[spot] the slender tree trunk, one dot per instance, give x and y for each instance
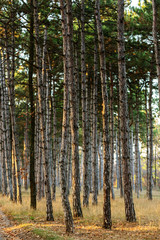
(63, 160)
(77, 211)
(85, 133)
(94, 137)
(128, 198)
(100, 161)
(155, 40)
(112, 134)
(117, 162)
(11, 93)
(150, 141)
(107, 223)
(32, 113)
(140, 167)
(6, 127)
(147, 138)
(120, 151)
(26, 153)
(132, 160)
(137, 185)
(155, 171)
(42, 121)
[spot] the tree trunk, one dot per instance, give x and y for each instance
(42, 121)
(117, 162)
(11, 94)
(107, 223)
(94, 126)
(150, 141)
(156, 45)
(128, 198)
(132, 160)
(111, 134)
(63, 160)
(85, 133)
(155, 171)
(137, 182)
(119, 150)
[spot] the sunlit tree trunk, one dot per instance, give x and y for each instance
(77, 211)
(150, 140)
(137, 185)
(94, 136)
(117, 162)
(111, 134)
(26, 151)
(63, 160)
(147, 138)
(128, 198)
(107, 223)
(100, 155)
(11, 94)
(5, 118)
(42, 120)
(155, 170)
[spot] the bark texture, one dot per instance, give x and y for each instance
(128, 198)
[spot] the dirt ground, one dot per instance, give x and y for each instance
(121, 231)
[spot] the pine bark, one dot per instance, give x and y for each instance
(49, 210)
(94, 137)
(128, 198)
(117, 162)
(107, 223)
(85, 133)
(77, 211)
(147, 139)
(65, 126)
(132, 160)
(111, 134)
(156, 44)
(150, 140)
(11, 94)
(120, 151)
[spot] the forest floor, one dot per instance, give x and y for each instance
(23, 223)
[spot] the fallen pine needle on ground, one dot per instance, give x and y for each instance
(26, 224)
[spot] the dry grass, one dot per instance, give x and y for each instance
(147, 213)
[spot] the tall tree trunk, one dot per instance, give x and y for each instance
(63, 160)
(100, 155)
(150, 140)
(147, 138)
(119, 150)
(6, 126)
(117, 162)
(140, 167)
(42, 121)
(155, 171)
(85, 133)
(128, 198)
(132, 160)
(156, 44)
(26, 148)
(32, 112)
(11, 93)
(137, 185)
(94, 137)
(77, 211)
(107, 223)
(112, 134)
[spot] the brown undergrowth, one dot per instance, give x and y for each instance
(26, 221)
